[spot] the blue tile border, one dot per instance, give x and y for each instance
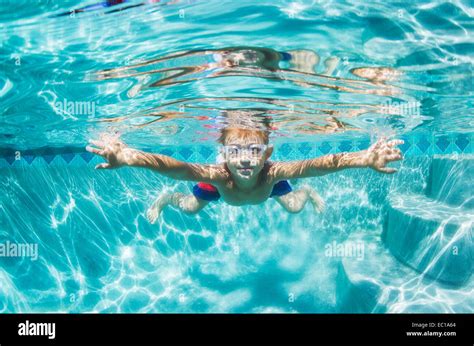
(442, 143)
(424, 144)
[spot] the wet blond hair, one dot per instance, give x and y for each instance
(248, 135)
(245, 126)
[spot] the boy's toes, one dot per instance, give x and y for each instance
(321, 206)
(318, 202)
(152, 215)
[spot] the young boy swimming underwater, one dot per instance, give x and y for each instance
(245, 176)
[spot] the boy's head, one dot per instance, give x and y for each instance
(245, 151)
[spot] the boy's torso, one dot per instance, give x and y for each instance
(232, 195)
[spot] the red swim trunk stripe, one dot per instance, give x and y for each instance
(207, 187)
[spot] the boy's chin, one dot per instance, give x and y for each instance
(246, 175)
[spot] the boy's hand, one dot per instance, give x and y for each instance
(112, 149)
(382, 153)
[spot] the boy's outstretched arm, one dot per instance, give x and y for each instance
(118, 154)
(376, 157)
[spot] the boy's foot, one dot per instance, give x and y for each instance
(155, 210)
(316, 200)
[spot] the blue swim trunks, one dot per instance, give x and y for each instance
(209, 192)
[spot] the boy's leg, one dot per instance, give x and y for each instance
(295, 201)
(190, 204)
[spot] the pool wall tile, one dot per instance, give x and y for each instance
(422, 145)
(325, 148)
(442, 144)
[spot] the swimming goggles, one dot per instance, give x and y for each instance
(255, 150)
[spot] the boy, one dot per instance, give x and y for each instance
(246, 176)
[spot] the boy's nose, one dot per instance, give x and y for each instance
(245, 160)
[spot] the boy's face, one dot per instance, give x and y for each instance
(245, 156)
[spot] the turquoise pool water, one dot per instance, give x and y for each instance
(167, 76)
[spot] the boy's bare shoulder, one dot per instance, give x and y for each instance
(215, 172)
(281, 170)
(272, 168)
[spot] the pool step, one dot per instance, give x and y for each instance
(379, 283)
(431, 237)
(449, 181)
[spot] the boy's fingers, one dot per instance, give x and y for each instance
(395, 142)
(94, 150)
(377, 144)
(387, 170)
(104, 165)
(396, 151)
(97, 143)
(104, 136)
(394, 157)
